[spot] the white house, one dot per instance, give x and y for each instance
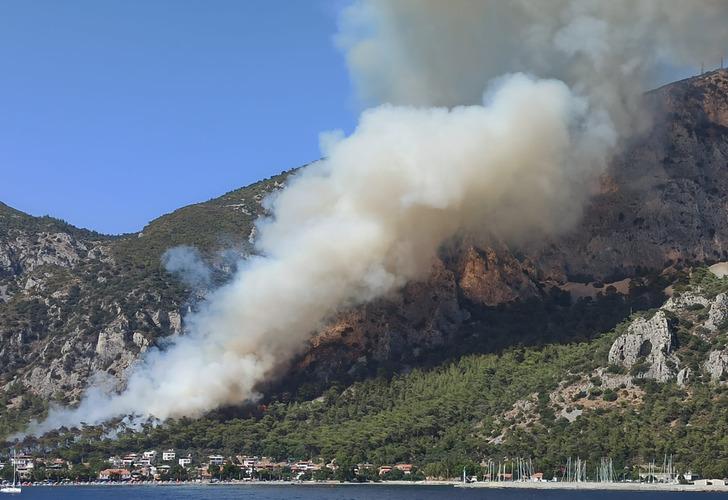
(168, 455)
(689, 476)
(23, 461)
(129, 460)
(151, 455)
(216, 459)
(185, 461)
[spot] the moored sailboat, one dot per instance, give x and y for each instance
(12, 488)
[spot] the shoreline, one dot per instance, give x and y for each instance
(112, 484)
(594, 486)
(516, 485)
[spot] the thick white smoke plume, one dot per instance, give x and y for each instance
(432, 52)
(518, 161)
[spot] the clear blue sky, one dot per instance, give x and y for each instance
(114, 112)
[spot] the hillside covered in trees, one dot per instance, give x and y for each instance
(547, 402)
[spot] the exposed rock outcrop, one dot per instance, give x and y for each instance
(685, 301)
(649, 343)
(490, 278)
(718, 314)
(26, 252)
(717, 365)
(663, 200)
(684, 376)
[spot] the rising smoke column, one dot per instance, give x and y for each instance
(518, 163)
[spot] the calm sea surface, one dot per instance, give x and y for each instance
(346, 492)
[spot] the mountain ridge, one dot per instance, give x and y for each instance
(74, 303)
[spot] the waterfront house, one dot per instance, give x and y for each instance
(216, 460)
(168, 456)
(23, 461)
(129, 460)
(56, 464)
(384, 469)
(204, 472)
(362, 468)
(690, 476)
(304, 466)
(115, 475)
(185, 461)
(406, 468)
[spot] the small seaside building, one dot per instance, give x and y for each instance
(304, 466)
(204, 472)
(691, 476)
(115, 475)
(56, 464)
(151, 455)
(406, 468)
(384, 469)
(23, 461)
(168, 456)
(130, 460)
(361, 468)
(185, 461)
(216, 459)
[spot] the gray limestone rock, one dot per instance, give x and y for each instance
(649, 342)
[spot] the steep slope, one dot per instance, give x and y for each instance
(663, 201)
(74, 304)
(662, 204)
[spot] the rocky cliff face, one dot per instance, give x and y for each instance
(661, 204)
(717, 365)
(662, 200)
(74, 303)
(650, 343)
(66, 312)
(650, 348)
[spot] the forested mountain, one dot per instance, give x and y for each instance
(481, 357)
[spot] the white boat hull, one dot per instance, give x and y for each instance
(10, 489)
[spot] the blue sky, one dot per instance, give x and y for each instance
(114, 112)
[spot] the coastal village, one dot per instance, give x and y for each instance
(174, 466)
(171, 465)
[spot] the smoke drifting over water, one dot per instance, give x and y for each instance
(518, 163)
